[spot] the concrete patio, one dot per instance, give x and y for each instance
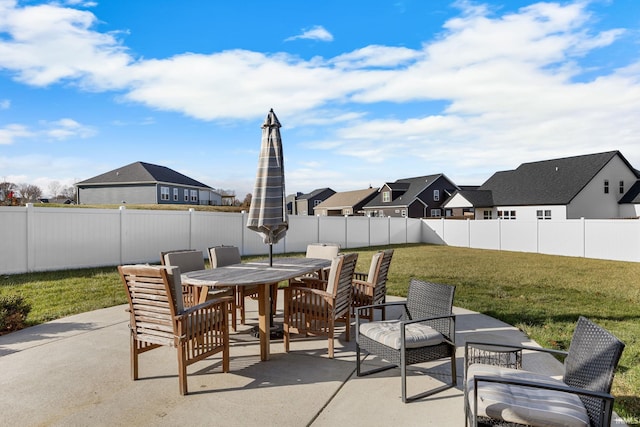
(75, 372)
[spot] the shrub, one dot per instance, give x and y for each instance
(13, 313)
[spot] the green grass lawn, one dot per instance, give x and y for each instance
(540, 294)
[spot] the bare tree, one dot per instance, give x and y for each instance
(6, 190)
(54, 189)
(247, 200)
(68, 192)
(30, 192)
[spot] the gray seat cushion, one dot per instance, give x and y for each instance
(524, 405)
(388, 333)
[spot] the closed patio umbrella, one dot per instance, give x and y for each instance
(268, 211)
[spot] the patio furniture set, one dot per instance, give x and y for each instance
(184, 305)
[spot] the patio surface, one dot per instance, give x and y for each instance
(75, 372)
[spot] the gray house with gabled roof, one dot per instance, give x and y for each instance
(145, 183)
(417, 197)
(600, 185)
(346, 203)
(305, 203)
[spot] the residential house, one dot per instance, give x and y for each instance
(291, 203)
(346, 203)
(601, 185)
(145, 183)
(418, 197)
(305, 203)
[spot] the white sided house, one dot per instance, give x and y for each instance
(145, 183)
(592, 186)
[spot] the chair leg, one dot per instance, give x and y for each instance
(134, 358)
(182, 369)
(331, 340)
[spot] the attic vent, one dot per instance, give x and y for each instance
(117, 173)
(556, 169)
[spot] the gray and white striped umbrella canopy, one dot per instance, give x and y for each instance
(268, 211)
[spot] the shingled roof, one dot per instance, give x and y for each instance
(347, 199)
(547, 182)
(142, 173)
(412, 188)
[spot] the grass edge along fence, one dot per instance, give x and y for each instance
(543, 295)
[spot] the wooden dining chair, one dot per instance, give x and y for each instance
(158, 318)
(220, 256)
(370, 289)
(313, 306)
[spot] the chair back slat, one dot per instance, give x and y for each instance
(591, 362)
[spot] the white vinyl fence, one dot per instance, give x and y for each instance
(616, 239)
(41, 239)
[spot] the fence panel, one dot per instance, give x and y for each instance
(332, 230)
(613, 239)
(357, 231)
(14, 244)
(518, 236)
(561, 237)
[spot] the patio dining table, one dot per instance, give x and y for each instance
(256, 273)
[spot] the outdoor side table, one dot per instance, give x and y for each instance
(499, 354)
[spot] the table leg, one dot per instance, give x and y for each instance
(203, 292)
(264, 323)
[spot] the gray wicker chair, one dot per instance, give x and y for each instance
(495, 395)
(425, 332)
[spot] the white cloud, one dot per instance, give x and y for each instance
(5, 104)
(317, 32)
(11, 132)
(67, 128)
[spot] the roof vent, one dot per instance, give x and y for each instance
(556, 169)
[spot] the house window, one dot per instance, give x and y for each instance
(381, 213)
(487, 214)
(194, 195)
(186, 195)
(606, 186)
(403, 213)
(436, 195)
(543, 214)
(386, 196)
(621, 187)
(164, 193)
(436, 212)
(347, 211)
(175, 194)
(316, 202)
(507, 214)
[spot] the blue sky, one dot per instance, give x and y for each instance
(367, 92)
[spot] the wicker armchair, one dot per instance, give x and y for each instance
(371, 288)
(495, 395)
(159, 319)
(425, 332)
(314, 306)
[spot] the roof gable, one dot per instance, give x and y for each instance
(412, 187)
(142, 173)
(347, 198)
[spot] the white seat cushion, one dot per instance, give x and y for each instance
(388, 333)
(524, 405)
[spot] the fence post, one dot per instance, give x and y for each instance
(122, 211)
(31, 238)
(468, 232)
(191, 231)
(584, 237)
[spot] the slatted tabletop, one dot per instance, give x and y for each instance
(255, 273)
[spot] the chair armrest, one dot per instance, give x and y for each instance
(211, 302)
(302, 289)
(310, 282)
(363, 284)
(450, 335)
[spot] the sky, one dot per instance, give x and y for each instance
(367, 91)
